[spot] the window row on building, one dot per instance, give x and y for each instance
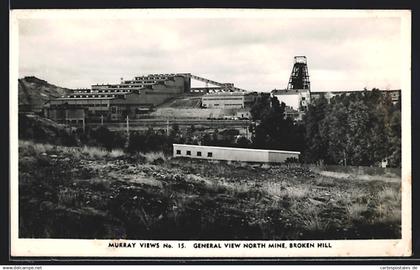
(92, 96)
(157, 76)
(228, 105)
(135, 85)
(110, 91)
(92, 104)
(117, 86)
(197, 153)
(223, 98)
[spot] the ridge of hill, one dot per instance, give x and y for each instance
(34, 92)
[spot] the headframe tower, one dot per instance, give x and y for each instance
(299, 79)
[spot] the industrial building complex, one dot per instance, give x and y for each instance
(136, 97)
(126, 99)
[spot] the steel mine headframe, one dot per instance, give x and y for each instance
(299, 79)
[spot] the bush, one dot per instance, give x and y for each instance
(155, 157)
(291, 160)
(104, 137)
(137, 142)
(149, 142)
(243, 142)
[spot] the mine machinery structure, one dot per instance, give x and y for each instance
(218, 86)
(299, 79)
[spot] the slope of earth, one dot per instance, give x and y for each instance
(89, 193)
(183, 101)
(34, 92)
(40, 129)
(202, 113)
(184, 106)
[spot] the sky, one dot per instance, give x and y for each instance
(253, 53)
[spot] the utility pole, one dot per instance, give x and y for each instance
(246, 129)
(102, 120)
(167, 127)
(345, 158)
(128, 131)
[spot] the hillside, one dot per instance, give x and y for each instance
(188, 106)
(34, 92)
(183, 101)
(35, 127)
(111, 195)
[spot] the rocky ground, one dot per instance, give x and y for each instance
(89, 193)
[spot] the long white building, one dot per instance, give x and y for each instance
(233, 154)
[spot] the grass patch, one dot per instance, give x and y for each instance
(390, 194)
(356, 211)
(154, 157)
(313, 223)
(282, 190)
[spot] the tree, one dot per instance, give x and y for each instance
(206, 139)
(261, 107)
(395, 138)
(104, 137)
(174, 130)
(243, 142)
(274, 130)
(137, 142)
(316, 139)
(362, 128)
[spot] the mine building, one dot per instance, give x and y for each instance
(73, 115)
(298, 95)
(229, 100)
(298, 92)
(291, 113)
(296, 101)
(243, 113)
(96, 107)
(132, 105)
(233, 154)
(154, 91)
(115, 103)
(135, 97)
(144, 82)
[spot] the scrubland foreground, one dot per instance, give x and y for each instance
(89, 193)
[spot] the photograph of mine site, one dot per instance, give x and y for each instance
(209, 128)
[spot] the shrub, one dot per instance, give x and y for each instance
(243, 142)
(390, 194)
(291, 160)
(355, 211)
(137, 142)
(116, 153)
(314, 223)
(104, 137)
(153, 157)
(298, 192)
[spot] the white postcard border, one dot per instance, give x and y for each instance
(101, 248)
